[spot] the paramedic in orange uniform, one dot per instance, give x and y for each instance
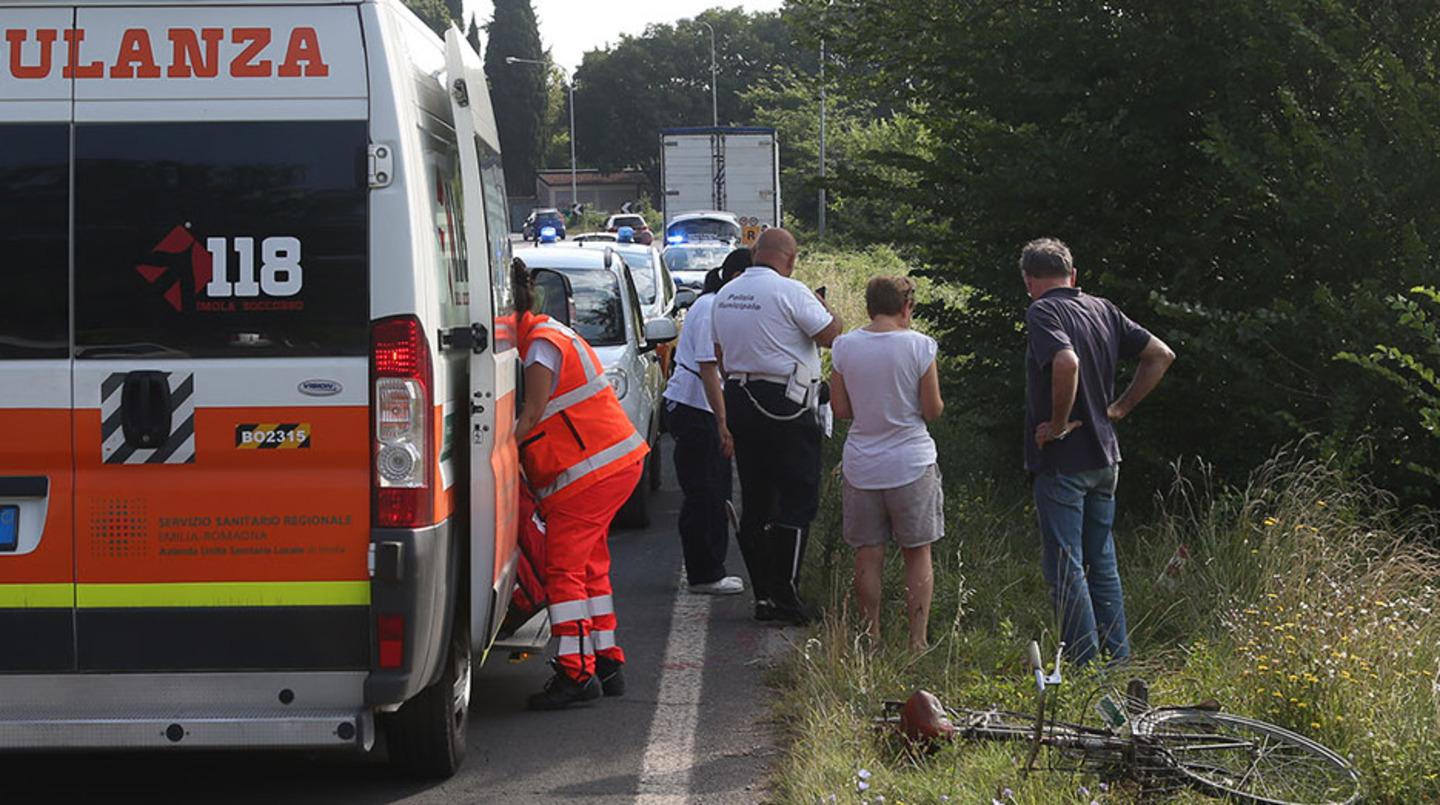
(582, 458)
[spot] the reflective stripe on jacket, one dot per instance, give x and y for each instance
(583, 436)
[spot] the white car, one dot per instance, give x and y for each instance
(601, 304)
(705, 225)
(653, 283)
(688, 263)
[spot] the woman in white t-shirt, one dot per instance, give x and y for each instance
(887, 380)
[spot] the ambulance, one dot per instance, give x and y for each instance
(258, 477)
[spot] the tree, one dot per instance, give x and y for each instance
(1250, 178)
(517, 91)
(660, 78)
(434, 13)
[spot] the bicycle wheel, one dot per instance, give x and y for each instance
(1248, 761)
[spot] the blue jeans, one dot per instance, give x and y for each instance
(1077, 513)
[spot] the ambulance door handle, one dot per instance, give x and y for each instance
(145, 409)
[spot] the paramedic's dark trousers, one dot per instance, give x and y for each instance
(704, 477)
(779, 466)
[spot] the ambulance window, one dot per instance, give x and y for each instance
(221, 239)
(34, 240)
(447, 205)
(497, 223)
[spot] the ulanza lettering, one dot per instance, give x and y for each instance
(183, 53)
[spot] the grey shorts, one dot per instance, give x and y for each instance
(913, 515)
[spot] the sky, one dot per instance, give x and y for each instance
(571, 27)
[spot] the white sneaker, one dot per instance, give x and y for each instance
(730, 585)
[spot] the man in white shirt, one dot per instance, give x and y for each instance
(703, 471)
(767, 330)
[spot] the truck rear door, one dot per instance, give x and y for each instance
(221, 311)
(36, 477)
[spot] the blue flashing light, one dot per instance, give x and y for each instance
(675, 239)
(547, 235)
(625, 234)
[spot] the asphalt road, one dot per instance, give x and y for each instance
(598, 754)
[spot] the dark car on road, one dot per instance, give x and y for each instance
(643, 235)
(539, 219)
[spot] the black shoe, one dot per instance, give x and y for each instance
(764, 611)
(562, 691)
(797, 613)
(612, 676)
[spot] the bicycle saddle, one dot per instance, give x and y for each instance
(923, 718)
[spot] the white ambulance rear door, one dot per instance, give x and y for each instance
(494, 461)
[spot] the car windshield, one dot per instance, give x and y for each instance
(695, 258)
(715, 228)
(599, 312)
(642, 269)
(548, 217)
(633, 221)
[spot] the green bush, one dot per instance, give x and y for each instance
(1249, 178)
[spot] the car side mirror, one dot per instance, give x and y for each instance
(684, 298)
(660, 331)
(552, 294)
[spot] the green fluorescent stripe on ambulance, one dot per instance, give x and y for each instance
(225, 594)
(37, 596)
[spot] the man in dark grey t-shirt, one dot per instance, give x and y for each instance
(1075, 343)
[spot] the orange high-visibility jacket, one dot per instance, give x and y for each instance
(584, 436)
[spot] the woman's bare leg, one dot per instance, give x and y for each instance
(869, 564)
(919, 587)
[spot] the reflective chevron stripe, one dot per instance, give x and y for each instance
(574, 397)
(570, 645)
(599, 461)
(602, 605)
(567, 611)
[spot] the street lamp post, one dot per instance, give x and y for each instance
(570, 85)
(820, 217)
(714, 85)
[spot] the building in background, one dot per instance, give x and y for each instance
(601, 192)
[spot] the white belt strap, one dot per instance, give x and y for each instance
(748, 377)
(567, 611)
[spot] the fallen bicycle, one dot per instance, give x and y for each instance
(1219, 754)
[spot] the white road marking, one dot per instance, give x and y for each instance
(670, 751)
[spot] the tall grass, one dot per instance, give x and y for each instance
(1307, 600)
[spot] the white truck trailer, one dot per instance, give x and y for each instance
(735, 170)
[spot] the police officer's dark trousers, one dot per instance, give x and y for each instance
(777, 453)
(704, 476)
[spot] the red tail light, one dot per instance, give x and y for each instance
(403, 453)
(391, 631)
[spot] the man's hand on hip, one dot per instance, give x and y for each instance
(1047, 432)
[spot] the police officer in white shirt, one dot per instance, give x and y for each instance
(768, 329)
(704, 473)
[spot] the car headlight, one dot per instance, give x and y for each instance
(619, 381)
